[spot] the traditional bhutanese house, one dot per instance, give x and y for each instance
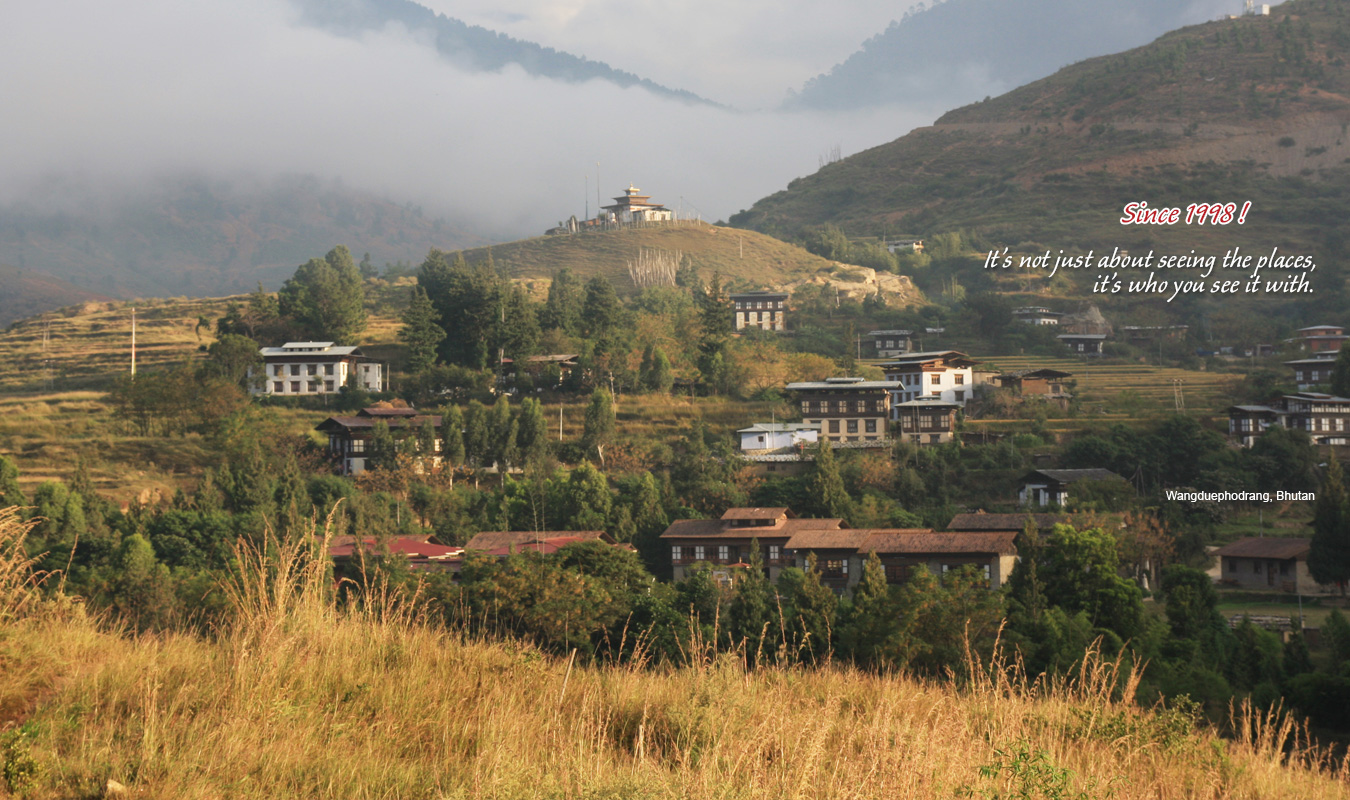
(1047, 383)
(764, 310)
(537, 366)
(1268, 563)
(1310, 373)
(841, 555)
(634, 207)
(1246, 423)
(726, 542)
(888, 344)
(992, 554)
(927, 420)
(847, 409)
(315, 368)
(1037, 315)
(1050, 487)
(420, 551)
(1324, 417)
(936, 374)
(1321, 338)
(349, 437)
(1084, 344)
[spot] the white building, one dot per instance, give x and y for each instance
(634, 207)
(764, 310)
(315, 368)
(1037, 315)
(936, 375)
(763, 436)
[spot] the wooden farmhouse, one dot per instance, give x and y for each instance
(349, 437)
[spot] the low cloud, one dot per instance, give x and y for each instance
(111, 95)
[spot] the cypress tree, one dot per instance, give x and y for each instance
(599, 425)
(827, 491)
(10, 493)
(420, 332)
(452, 438)
(1329, 552)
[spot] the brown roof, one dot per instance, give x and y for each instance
(827, 540)
(492, 540)
(368, 423)
(718, 529)
(1003, 522)
(926, 541)
(756, 513)
(1266, 547)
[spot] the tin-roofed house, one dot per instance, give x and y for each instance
(349, 438)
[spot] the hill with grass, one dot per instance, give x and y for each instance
(745, 259)
(1252, 108)
(294, 694)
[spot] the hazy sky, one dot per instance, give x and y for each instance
(745, 53)
(105, 95)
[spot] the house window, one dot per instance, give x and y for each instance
(934, 438)
(1080, 347)
(937, 379)
(1284, 567)
(834, 426)
(960, 396)
(676, 553)
(278, 386)
(700, 553)
(328, 369)
(773, 552)
(328, 386)
(723, 552)
(295, 369)
(870, 426)
(311, 369)
(860, 406)
(358, 445)
(852, 426)
(806, 406)
(277, 369)
(1256, 567)
(295, 386)
(959, 378)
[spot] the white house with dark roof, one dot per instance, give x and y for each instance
(1324, 417)
(930, 375)
(1050, 487)
(315, 368)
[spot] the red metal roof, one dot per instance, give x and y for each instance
(405, 546)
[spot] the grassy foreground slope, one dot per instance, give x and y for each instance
(302, 699)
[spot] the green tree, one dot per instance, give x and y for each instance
(650, 521)
(519, 330)
(601, 312)
(599, 425)
(10, 492)
(532, 438)
(828, 497)
(809, 615)
(1329, 552)
(869, 624)
(1080, 573)
(657, 375)
(232, 356)
(562, 309)
(1340, 374)
(477, 435)
(142, 590)
(584, 500)
(715, 313)
(326, 298)
(750, 613)
(420, 332)
(383, 448)
(452, 438)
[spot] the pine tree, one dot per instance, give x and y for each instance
(828, 495)
(477, 435)
(1329, 552)
(420, 332)
(562, 309)
(326, 297)
(868, 626)
(749, 616)
(661, 377)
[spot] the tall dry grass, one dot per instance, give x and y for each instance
(306, 698)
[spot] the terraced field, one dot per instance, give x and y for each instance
(1132, 390)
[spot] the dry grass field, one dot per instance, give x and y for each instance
(301, 698)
